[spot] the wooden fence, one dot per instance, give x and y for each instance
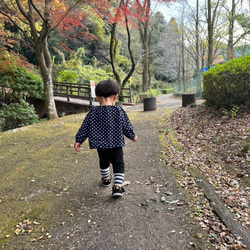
(83, 91)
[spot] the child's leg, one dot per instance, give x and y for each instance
(118, 166)
(104, 163)
(119, 179)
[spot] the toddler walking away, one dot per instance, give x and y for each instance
(105, 126)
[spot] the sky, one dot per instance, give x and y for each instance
(172, 9)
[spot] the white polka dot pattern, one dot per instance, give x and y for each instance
(105, 126)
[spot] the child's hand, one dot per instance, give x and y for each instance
(77, 146)
(135, 138)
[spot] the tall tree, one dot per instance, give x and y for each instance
(234, 12)
(182, 31)
(194, 34)
(35, 20)
(169, 63)
(232, 18)
(197, 39)
(212, 12)
(125, 12)
(145, 29)
(244, 22)
(159, 26)
(145, 10)
(115, 14)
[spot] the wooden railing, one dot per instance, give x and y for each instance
(83, 91)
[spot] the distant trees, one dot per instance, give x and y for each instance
(145, 10)
(113, 16)
(235, 12)
(168, 61)
(210, 28)
(211, 16)
(130, 15)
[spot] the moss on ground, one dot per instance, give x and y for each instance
(35, 163)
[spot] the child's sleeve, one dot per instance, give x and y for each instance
(83, 131)
(127, 127)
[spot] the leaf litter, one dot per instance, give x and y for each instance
(220, 148)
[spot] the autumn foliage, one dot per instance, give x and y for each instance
(10, 60)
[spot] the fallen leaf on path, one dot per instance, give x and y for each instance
(168, 193)
(125, 183)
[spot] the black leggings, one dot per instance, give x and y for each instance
(113, 156)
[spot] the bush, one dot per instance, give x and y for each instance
(19, 114)
(68, 76)
(227, 85)
(167, 91)
(149, 93)
(22, 83)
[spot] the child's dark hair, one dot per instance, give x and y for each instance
(107, 88)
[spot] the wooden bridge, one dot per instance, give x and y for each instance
(81, 93)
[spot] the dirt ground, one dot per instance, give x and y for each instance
(51, 197)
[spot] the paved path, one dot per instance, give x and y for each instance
(43, 178)
(167, 100)
(163, 101)
(138, 220)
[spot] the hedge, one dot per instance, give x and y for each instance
(227, 85)
(167, 91)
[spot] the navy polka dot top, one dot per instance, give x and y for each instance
(105, 126)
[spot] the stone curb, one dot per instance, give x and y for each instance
(222, 211)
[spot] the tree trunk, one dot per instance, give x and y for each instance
(40, 45)
(183, 60)
(198, 85)
(197, 38)
(210, 26)
(113, 50)
(144, 33)
(145, 73)
(145, 78)
(132, 69)
(230, 47)
(179, 70)
(210, 34)
(45, 65)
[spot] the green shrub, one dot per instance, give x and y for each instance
(84, 74)
(149, 93)
(152, 92)
(22, 83)
(227, 85)
(19, 114)
(68, 76)
(167, 91)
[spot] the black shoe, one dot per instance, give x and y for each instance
(106, 182)
(117, 191)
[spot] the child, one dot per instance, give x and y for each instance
(105, 126)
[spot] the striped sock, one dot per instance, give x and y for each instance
(105, 173)
(118, 180)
